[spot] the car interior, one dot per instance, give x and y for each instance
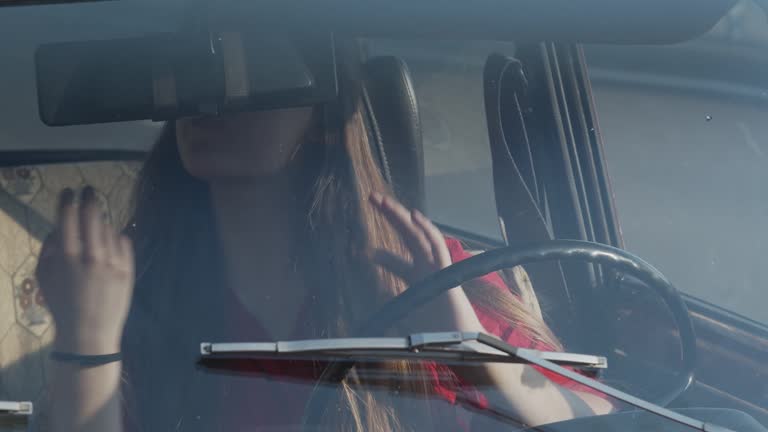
(30, 193)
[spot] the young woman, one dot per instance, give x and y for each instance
(268, 225)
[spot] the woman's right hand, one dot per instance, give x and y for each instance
(86, 274)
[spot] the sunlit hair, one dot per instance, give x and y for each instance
(176, 265)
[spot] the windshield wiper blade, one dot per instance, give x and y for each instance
(15, 408)
(458, 346)
(602, 388)
(463, 346)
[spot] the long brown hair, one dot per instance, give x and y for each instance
(172, 230)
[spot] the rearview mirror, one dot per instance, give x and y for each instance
(166, 76)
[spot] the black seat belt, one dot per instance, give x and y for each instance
(518, 198)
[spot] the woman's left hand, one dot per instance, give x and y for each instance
(429, 253)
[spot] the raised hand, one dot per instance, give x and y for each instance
(449, 312)
(86, 274)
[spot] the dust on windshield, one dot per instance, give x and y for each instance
(128, 245)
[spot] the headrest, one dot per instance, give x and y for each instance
(395, 126)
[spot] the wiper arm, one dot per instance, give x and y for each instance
(610, 391)
(457, 346)
(15, 408)
(462, 346)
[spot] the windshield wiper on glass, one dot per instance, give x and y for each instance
(456, 346)
(15, 408)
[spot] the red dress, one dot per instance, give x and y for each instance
(282, 387)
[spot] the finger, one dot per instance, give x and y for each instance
(91, 226)
(435, 237)
(109, 241)
(47, 250)
(393, 264)
(47, 247)
(400, 218)
(68, 229)
(125, 249)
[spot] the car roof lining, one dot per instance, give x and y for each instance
(594, 21)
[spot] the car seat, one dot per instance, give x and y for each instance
(392, 115)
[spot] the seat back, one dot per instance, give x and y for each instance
(395, 127)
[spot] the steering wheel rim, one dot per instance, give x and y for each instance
(508, 257)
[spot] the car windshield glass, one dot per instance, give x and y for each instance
(228, 230)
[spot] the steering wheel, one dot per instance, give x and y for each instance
(508, 257)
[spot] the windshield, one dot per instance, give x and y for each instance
(247, 256)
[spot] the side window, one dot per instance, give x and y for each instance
(685, 137)
(28, 197)
(448, 77)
